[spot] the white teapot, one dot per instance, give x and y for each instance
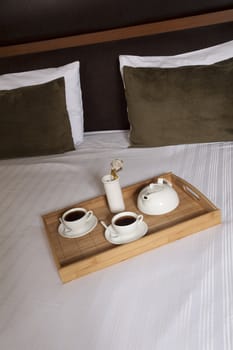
(157, 198)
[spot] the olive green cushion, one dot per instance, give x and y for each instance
(191, 104)
(34, 121)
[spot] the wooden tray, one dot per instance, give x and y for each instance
(79, 256)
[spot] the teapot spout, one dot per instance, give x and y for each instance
(146, 196)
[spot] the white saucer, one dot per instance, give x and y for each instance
(140, 231)
(91, 224)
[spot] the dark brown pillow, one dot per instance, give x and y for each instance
(168, 106)
(34, 121)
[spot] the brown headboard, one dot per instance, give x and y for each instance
(98, 52)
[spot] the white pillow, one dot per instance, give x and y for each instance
(204, 57)
(70, 72)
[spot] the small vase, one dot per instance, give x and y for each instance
(113, 193)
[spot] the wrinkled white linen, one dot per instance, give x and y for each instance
(179, 296)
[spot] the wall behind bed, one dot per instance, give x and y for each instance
(103, 97)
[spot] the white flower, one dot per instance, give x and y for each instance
(116, 165)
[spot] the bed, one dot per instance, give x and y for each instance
(179, 296)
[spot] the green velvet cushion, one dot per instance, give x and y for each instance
(191, 104)
(34, 121)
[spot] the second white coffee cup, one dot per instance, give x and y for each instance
(125, 223)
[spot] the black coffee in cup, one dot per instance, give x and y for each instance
(74, 215)
(125, 220)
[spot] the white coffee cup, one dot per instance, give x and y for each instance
(125, 223)
(75, 219)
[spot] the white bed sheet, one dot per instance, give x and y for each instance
(179, 296)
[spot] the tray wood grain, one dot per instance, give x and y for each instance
(77, 257)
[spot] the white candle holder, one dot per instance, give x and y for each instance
(113, 193)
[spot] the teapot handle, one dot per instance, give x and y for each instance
(161, 181)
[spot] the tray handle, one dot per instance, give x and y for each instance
(194, 193)
(191, 192)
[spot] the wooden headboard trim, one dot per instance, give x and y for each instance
(119, 33)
